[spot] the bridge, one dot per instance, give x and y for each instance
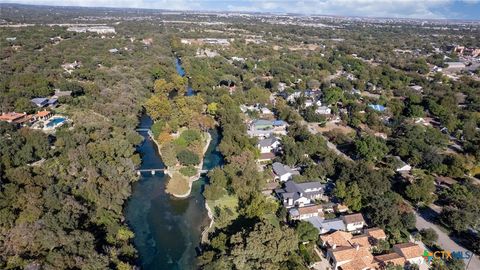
(153, 171)
(142, 129)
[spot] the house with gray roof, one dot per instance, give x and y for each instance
(283, 172)
(327, 225)
(264, 128)
(268, 145)
(300, 194)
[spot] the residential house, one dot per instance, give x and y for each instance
(324, 110)
(377, 107)
(43, 102)
(114, 50)
(417, 88)
(43, 115)
(382, 261)
(340, 208)
(375, 234)
(299, 194)
(354, 222)
(455, 65)
(12, 117)
(268, 145)
(301, 213)
(265, 128)
(410, 251)
(402, 167)
(283, 172)
(327, 225)
(328, 207)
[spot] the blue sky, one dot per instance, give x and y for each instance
(427, 9)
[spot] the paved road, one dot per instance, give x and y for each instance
(445, 241)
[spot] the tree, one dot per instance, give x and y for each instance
(429, 236)
(306, 231)
(212, 108)
(353, 198)
(159, 107)
(421, 190)
(340, 190)
(371, 148)
(187, 157)
(333, 95)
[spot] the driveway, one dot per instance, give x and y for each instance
(444, 240)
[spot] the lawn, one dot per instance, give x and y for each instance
(178, 184)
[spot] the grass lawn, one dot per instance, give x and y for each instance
(227, 201)
(177, 184)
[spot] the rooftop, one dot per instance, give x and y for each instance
(353, 218)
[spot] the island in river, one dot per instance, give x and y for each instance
(167, 230)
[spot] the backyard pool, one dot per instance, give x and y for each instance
(54, 122)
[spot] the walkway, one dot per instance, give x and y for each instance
(444, 240)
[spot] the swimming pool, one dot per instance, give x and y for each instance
(54, 122)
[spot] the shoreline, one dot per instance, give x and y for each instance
(198, 167)
(204, 238)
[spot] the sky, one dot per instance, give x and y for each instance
(422, 9)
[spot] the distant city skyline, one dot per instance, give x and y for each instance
(420, 9)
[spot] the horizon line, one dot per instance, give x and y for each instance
(242, 12)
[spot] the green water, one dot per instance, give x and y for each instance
(167, 230)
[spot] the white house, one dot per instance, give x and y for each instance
(302, 213)
(402, 166)
(323, 110)
(268, 145)
(354, 222)
(283, 172)
(299, 194)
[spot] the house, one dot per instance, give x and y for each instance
(299, 194)
(328, 207)
(265, 128)
(354, 222)
(59, 93)
(375, 235)
(40, 102)
(324, 110)
(350, 258)
(377, 107)
(268, 145)
(266, 111)
(283, 172)
(43, 115)
(402, 167)
(348, 252)
(301, 213)
(11, 39)
(269, 188)
(455, 65)
(114, 50)
(410, 251)
(340, 208)
(12, 117)
(327, 225)
(417, 88)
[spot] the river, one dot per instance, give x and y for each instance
(167, 230)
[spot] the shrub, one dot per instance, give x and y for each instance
(168, 154)
(429, 236)
(187, 157)
(188, 171)
(190, 136)
(157, 128)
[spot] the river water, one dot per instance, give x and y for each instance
(167, 230)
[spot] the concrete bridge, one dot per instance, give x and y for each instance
(153, 171)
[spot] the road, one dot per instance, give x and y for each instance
(330, 145)
(444, 240)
